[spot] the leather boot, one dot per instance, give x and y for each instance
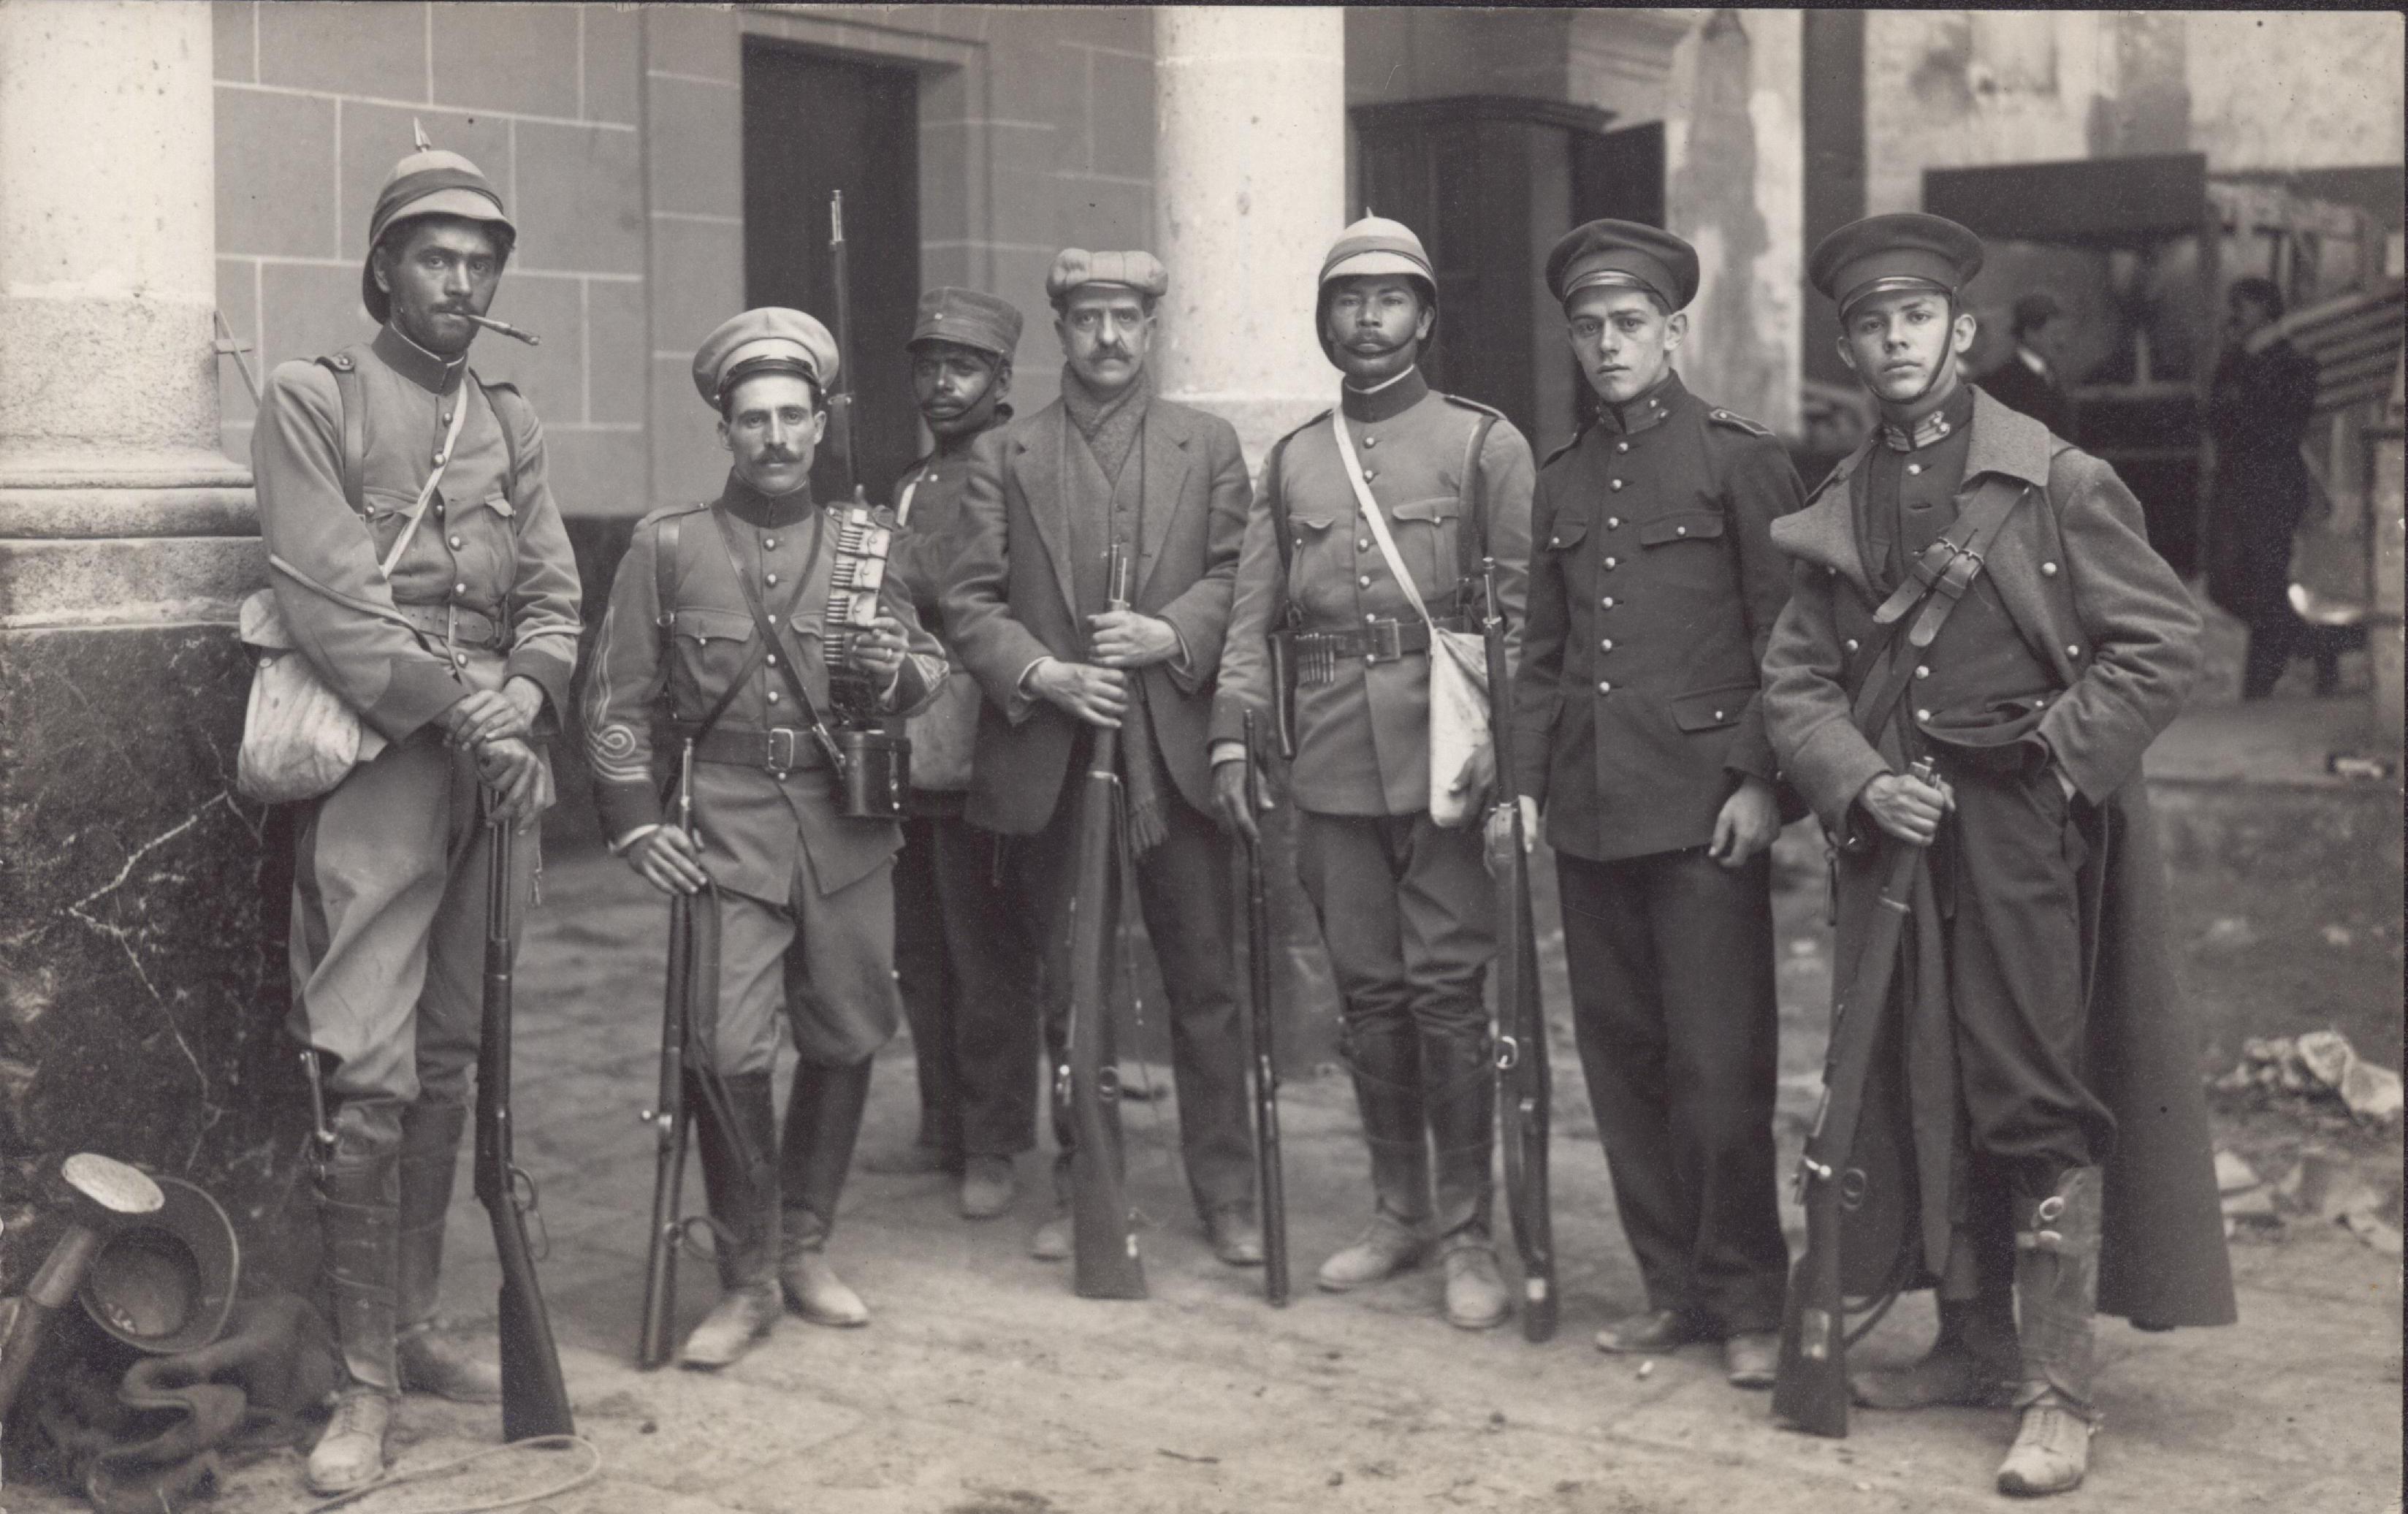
(430, 1158)
(1386, 1063)
(1459, 1091)
(739, 1177)
(358, 1204)
(2056, 1290)
(1974, 1360)
(823, 1120)
(1475, 1295)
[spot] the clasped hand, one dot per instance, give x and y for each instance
(669, 860)
(1906, 807)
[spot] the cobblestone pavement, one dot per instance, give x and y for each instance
(983, 1387)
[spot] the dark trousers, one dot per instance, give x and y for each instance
(1673, 1009)
(2006, 869)
(974, 1033)
(1183, 894)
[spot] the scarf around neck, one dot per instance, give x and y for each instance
(1109, 425)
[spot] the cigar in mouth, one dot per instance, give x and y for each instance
(505, 329)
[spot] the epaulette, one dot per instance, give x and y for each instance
(1302, 430)
(667, 510)
(1471, 405)
(499, 383)
(1738, 423)
(1567, 446)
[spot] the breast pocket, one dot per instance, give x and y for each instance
(483, 540)
(385, 515)
(713, 648)
(1313, 558)
(1425, 533)
(1561, 554)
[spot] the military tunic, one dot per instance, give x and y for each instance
(1405, 905)
(1653, 591)
(388, 924)
(792, 872)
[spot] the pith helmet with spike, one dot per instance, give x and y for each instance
(430, 181)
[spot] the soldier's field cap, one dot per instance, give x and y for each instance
(1907, 249)
(1075, 268)
(429, 181)
(1374, 245)
(769, 340)
(967, 318)
(1624, 254)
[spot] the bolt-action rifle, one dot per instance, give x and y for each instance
(1105, 1263)
(1810, 1388)
(692, 986)
(1525, 1082)
(1259, 1032)
(535, 1401)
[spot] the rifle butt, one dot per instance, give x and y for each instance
(1105, 1264)
(535, 1398)
(653, 1346)
(1809, 1386)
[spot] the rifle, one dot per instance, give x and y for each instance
(694, 960)
(1522, 1070)
(1810, 1388)
(1105, 1263)
(1268, 1175)
(840, 400)
(535, 1401)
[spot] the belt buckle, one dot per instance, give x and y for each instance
(1383, 641)
(780, 750)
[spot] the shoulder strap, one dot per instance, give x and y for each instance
(1377, 520)
(665, 573)
(1938, 590)
(505, 416)
(346, 369)
(1278, 498)
(773, 631)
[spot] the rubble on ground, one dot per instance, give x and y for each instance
(2319, 1067)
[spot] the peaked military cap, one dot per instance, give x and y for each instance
(967, 318)
(429, 181)
(1378, 245)
(768, 339)
(1624, 254)
(1076, 268)
(1906, 251)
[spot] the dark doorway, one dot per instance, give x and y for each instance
(1619, 176)
(814, 124)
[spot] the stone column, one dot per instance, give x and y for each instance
(138, 1013)
(1250, 187)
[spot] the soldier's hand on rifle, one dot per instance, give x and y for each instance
(669, 860)
(1748, 821)
(1906, 807)
(496, 715)
(1230, 798)
(1500, 831)
(1124, 638)
(1098, 696)
(519, 778)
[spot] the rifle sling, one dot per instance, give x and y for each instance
(1937, 581)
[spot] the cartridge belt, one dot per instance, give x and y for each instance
(780, 749)
(1316, 653)
(454, 626)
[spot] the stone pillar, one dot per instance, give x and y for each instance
(138, 988)
(1250, 187)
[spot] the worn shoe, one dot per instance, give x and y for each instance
(814, 1290)
(1649, 1332)
(1951, 1373)
(988, 1187)
(351, 1454)
(1750, 1358)
(741, 1317)
(2051, 1452)
(1388, 1246)
(1475, 1295)
(431, 1364)
(1052, 1241)
(1236, 1237)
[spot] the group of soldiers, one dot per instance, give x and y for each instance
(1703, 650)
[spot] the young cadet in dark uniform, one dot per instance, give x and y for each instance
(1405, 904)
(2059, 1158)
(1049, 496)
(1652, 592)
(976, 1052)
(421, 564)
(805, 895)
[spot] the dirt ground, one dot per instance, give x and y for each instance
(984, 1387)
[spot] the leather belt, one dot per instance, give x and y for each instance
(780, 750)
(456, 626)
(1316, 653)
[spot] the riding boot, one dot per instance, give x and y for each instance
(739, 1180)
(430, 1158)
(1385, 1061)
(359, 1200)
(823, 1120)
(2057, 1293)
(1459, 1093)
